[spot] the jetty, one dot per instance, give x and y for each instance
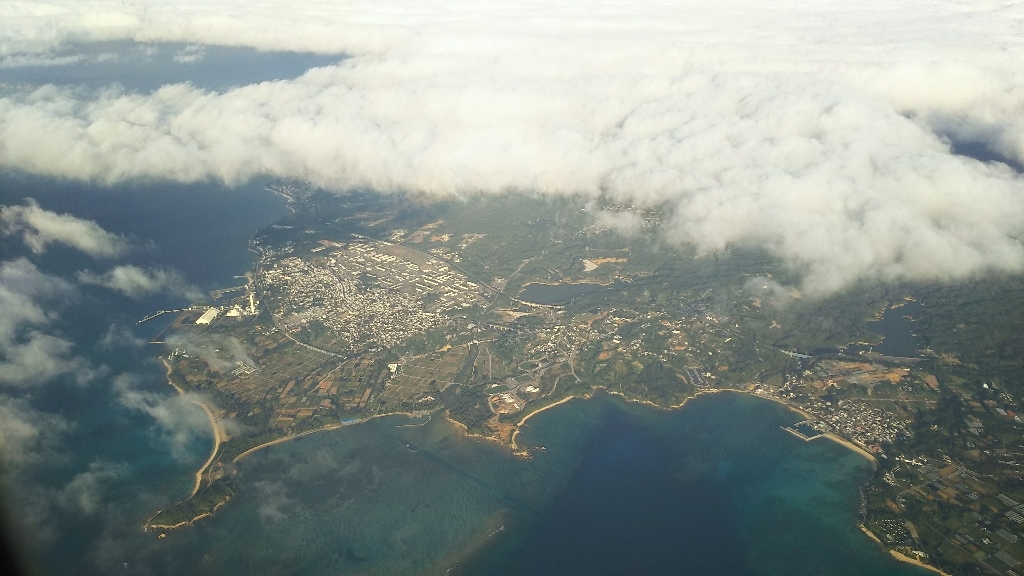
(216, 294)
(162, 312)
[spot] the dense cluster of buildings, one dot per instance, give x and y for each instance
(851, 418)
(369, 292)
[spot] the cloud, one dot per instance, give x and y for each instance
(87, 491)
(275, 501)
(822, 131)
(26, 434)
(39, 227)
(190, 54)
(220, 351)
(624, 222)
(28, 354)
(120, 336)
(180, 422)
(776, 294)
(136, 282)
(30, 357)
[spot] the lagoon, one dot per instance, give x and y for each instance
(897, 330)
(563, 293)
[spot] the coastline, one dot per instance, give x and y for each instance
(855, 448)
(916, 562)
(796, 409)
(168, 527)
(327, 428)
(849, 445)
(833, 437)
(648, 403)
(901, 557)
(512, 441)
(869, 533)
(284, 439)
(214, 426)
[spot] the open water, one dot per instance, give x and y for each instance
(897, 329)
(714, 488)
(562, 293)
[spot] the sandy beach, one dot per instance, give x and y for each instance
(512, 441)
(285, 439)
(916, 562)
(324, 429)
(855, 448)
(869, 533)
(218, 437)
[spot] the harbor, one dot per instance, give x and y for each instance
(803, 430)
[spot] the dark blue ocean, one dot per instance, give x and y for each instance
(109, 463)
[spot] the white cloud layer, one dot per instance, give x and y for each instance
(136, 282)
(39, 227)
(817, 128)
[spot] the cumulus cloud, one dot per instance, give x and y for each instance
(26, 434)
(823, 131)
(190, 54)
(39, 227)
(179, 421)
(31, 356)
(28, 353)
(136, 282)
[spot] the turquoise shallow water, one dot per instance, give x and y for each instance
(714, 488)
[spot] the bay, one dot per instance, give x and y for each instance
(609, 487)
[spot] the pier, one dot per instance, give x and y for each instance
(216, 294)
(162, 312)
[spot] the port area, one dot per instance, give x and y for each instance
(803, 430)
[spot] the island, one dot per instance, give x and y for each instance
(489, 310)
